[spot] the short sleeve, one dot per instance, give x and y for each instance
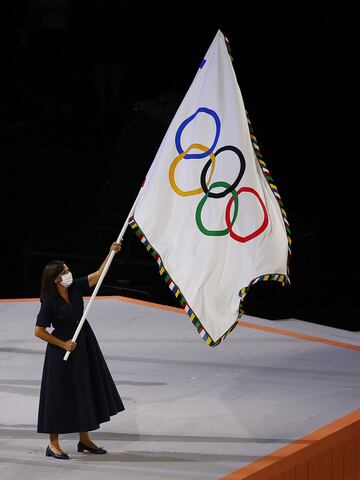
(83, 285)
(44, 316)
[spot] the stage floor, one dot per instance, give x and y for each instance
(191, 411)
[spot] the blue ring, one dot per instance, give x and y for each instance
(188, 120)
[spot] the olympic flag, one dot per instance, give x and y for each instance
(208, 210)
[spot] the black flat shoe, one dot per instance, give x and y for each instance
(81, 447)
(50, 453)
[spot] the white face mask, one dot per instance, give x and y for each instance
(66, 280)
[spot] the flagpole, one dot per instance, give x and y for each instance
(103, 273)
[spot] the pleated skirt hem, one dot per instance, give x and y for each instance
(80, 428)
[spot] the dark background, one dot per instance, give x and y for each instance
(89, 89)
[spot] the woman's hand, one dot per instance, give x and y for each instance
(69, 345)
(116, 247)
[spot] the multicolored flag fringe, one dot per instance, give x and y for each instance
(209, 212)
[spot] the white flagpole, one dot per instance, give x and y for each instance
(103, 273)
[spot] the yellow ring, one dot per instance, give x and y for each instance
(178, 160)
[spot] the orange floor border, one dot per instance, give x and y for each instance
(301, 336)
(278, 331)
(329, 453)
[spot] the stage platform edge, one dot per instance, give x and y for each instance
(329, 453)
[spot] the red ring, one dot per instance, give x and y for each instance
(257, 232)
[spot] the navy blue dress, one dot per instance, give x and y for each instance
(78, 394)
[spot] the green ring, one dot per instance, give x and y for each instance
(199, 208)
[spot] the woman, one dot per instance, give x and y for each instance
(78, 394)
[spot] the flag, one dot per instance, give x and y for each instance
(208, 210)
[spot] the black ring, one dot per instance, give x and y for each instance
(237, 181)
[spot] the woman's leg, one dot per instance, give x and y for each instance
(85, 439)
(54, 443)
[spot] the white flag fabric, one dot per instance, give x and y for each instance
(208, 210)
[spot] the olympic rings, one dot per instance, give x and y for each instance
(178, 160)
(206, 189)
(202, 203)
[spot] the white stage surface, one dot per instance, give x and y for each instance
(191, 411)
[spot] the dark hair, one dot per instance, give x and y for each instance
(50, 272)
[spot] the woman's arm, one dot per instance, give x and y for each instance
(93, 278)
(42, 333)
